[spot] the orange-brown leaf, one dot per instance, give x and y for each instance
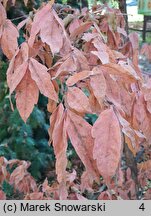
(101, 52)
(2, 195)
(2, 14)
(98, 85)
(42, 78)
(107, 146)
(17, 76)
(77, 77)
(22, 180)
(121, 70)
(77, 100)
(59, 141)
(9, 42)
(79, 132)
(26, 96)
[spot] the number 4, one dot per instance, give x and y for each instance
(142, 207)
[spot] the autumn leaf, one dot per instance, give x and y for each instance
(78, 77)
(9, 38)
(42, 78)
(141, 119)
(79, 132)
(2, 195)
(80, 29)
(77, 100)
(68, 65)
(146, 50)
(18, 76)
(122, 70)
(134, 39)
(98, 84)
(27, 94)
(17, 67)
(2, 15)
(108, 144)
(47, 23)
(22, 180)
(59, 140)
(101, 52)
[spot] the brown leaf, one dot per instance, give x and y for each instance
(122, 70)
(51, 106)
(141, 117)
(34, 196)
(98, 85)
(78, 77)
(143, 166)
(107, 146)
(2, 195)
(17, 76)
(79, 132)
(134, 39)
(52, 36)
(3, 15)
(47, 23)
(127, 130)
(147, 94)
(9, 37)
(80, 60)
(113, 90)
(17, 67)
(146, 50)
(67, 66)
(26, 96)
(22, 180)
(77, 100)
(59, 141)
(101, 52)
(81, 29)
(42, 78)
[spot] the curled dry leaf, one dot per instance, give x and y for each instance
(108, 144)
(22, 180)
(81, 29)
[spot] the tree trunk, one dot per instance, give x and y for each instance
(123, 9)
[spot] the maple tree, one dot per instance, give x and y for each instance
(85, 64)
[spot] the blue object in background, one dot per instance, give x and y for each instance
(131, 2)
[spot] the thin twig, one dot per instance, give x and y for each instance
(17, 18)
